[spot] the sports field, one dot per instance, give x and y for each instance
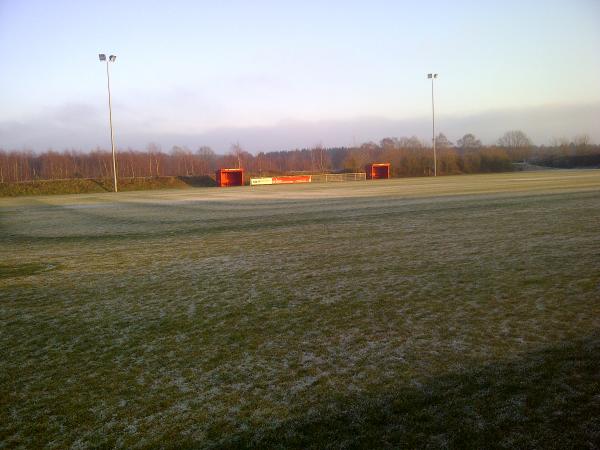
(459, 311)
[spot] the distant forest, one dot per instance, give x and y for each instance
(408, 157)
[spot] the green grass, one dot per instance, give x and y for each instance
(451, 312)
(21, 270)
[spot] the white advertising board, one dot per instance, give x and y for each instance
(263, 180)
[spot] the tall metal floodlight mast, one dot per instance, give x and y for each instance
(111, 58)
(433, 76)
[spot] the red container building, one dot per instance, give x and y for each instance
(378, 171)
(229, 177)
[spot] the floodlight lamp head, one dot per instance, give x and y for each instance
(429, 75)
(435, 75)
(112, 58)
(102, 57)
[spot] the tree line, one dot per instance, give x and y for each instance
(409, 156)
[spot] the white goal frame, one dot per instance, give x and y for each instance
(338, 177)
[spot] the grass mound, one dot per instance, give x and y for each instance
(89, 186)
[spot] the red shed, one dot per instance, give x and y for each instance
(229, 177)
(378, 171)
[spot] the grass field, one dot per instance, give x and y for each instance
(458, 312)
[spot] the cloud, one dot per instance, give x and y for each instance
(72, 125)
(82, 126)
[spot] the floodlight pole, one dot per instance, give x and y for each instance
(433, 76)
(111, 58)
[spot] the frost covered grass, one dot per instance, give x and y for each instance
(451, 312)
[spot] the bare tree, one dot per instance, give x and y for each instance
(412, 142)
(468, 141)
(207, 157)
(389, 143)
(583, 140)
(153, 155)
(514, 139)
(517, 144)
(442, 141)
(237, 151)
(320, 157)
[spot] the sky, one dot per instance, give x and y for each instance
(280, 75)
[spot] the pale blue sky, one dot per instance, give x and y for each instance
(186, 71)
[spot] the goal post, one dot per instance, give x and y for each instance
(338, 177)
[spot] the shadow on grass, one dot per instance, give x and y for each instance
(198, 181)
(547, 399)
